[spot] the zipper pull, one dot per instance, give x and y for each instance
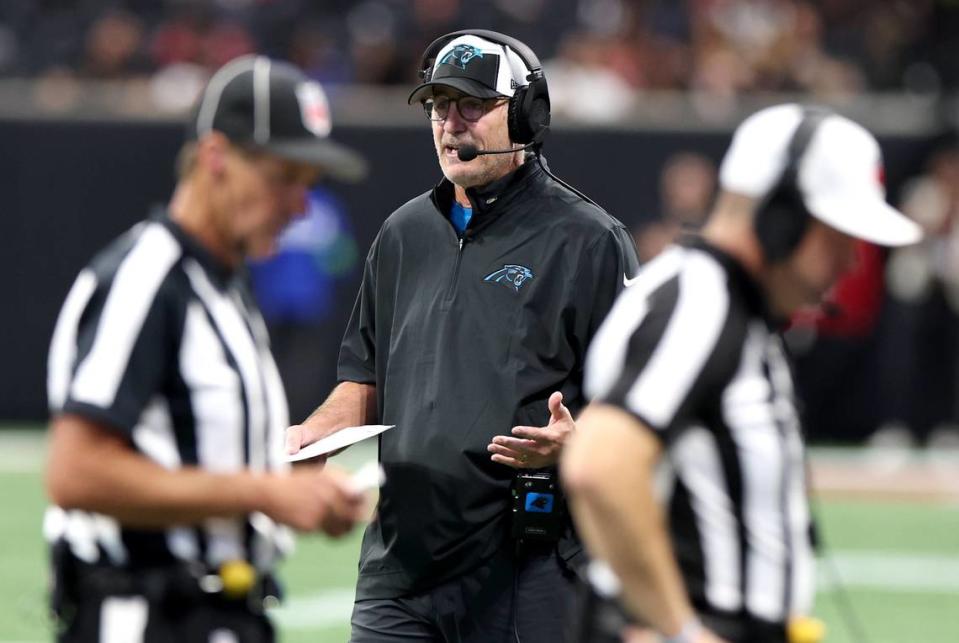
(461, 244)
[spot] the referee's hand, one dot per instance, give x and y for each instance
(535, 447)
(314, 499)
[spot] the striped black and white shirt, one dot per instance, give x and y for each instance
(160, 342)
(688, 350)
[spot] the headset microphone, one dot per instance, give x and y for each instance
(469, 152)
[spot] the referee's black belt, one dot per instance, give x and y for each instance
(170, 585)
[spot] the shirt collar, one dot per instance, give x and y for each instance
(488, 200)
(223, 275)
(741, 281)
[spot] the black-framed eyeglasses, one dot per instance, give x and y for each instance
(470, 108)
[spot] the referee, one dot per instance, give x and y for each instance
(686, 474)
(166, 468)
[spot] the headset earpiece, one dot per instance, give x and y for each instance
(782, 218)
(529, 111)
(514, 120)
(426, 65)
(781, 223)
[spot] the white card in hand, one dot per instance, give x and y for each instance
(342, 438)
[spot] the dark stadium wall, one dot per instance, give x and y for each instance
(67, 188)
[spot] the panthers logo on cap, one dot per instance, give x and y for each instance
(511, 275)
(461, 55)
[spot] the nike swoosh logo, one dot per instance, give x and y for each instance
(629, 282)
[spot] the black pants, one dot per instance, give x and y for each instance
(480, 607)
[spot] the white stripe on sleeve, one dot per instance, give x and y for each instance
(63, 346)
(131, 295)
(690, 336)
(606, 357)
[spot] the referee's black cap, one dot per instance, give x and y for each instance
(272, 106)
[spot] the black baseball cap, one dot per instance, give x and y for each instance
(272, 106)
(476, 67)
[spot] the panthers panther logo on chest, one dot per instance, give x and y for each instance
(511, 276)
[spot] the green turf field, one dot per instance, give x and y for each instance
(899, 565)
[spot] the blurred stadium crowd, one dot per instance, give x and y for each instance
(611, 48)
(899, 334)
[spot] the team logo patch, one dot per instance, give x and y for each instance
(511, 276)
(461, 55)
(539, 502)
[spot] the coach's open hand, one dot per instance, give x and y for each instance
(534, 447)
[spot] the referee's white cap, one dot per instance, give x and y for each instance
(840, 174)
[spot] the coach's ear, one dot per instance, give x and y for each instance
(211, 152)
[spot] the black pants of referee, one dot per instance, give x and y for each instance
(482, 606)
(134, 619)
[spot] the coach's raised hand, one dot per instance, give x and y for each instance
(531, 447)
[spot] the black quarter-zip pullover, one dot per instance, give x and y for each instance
(465, 338)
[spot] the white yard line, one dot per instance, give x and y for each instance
(22, 451)
(870, 570)
(315, 611)
(892, 572)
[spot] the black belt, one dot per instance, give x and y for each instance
(172, 586)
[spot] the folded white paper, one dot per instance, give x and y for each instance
(342, 438)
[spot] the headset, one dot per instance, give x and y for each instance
(528, 115)
(782, 217)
